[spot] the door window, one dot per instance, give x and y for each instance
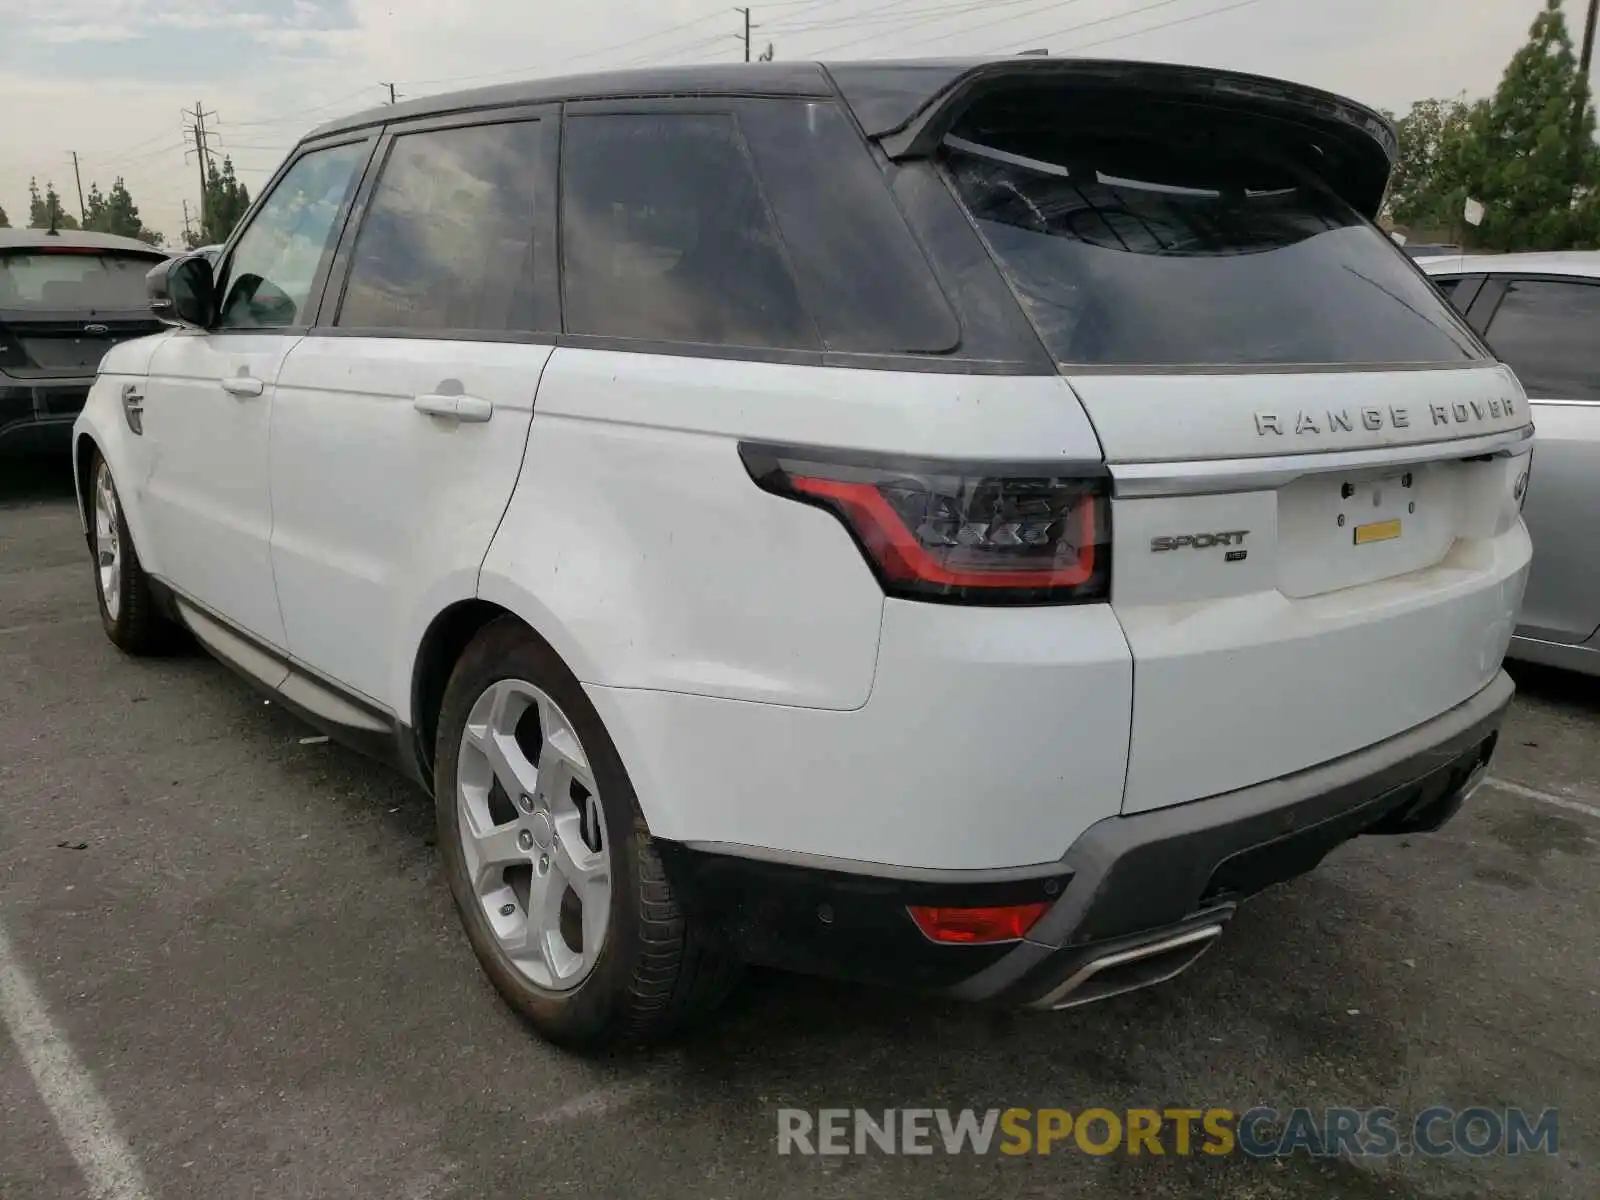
(1549, 332)
(269, 275)
(665, 235)
(447, 240)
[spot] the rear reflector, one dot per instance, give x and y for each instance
(959, 532)
(970, 926)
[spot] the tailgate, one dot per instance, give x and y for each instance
(1306, 564)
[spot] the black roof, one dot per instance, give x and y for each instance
(733, 79)
(907, 104)
(884, 93)
(31, 239)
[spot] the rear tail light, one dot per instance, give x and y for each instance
(972, 926)
(958, 532)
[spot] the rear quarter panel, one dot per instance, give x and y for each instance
(661, 565)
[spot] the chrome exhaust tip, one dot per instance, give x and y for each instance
(1140, 966)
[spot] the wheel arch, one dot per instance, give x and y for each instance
(84, 448)
(444, 640)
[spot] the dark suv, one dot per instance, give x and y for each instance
(66, 297)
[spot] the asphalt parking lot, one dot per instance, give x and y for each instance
(229, 954)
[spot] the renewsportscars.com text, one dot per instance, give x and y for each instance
(1258, 1132)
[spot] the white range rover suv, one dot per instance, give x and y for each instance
(955, 524)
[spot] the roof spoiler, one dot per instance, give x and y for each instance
(909, 107)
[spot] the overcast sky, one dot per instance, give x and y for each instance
(107, 78)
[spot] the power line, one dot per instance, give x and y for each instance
(1199, 16)
(572, 58)
(881, 15)
(945, 16)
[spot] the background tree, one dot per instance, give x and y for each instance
(1520, 161)
(94, 210)
(41, 206)
(5, 221)
(1427, 190)
(115, 212)
(193, 239)
(226, 202)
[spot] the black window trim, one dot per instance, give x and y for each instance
(1471, 281)
(314, 298)
(546, 294)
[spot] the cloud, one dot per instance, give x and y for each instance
(272, 69)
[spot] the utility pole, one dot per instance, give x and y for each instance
(186, 234)
(1581, 100)
(83, 214)
(198, 129)
(747, 28)
(390, 86)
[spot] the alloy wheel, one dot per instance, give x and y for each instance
(107, 542)
(532, 834)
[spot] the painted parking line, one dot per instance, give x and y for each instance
(1528, 793)
(68, 1091)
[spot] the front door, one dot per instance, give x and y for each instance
(208, 402)
(400, 422)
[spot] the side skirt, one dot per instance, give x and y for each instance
(349, 719)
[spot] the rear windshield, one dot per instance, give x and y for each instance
(57, 281)
(1129, 249)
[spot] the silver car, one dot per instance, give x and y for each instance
(1541, 314)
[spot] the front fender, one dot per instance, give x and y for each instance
(103, 427)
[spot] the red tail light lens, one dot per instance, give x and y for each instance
(972, 533)
(970, 926)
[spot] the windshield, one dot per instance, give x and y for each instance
(73, 281)
(1132, 251)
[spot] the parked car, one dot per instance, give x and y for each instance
(1541, 314)
(66, 297)
(961, 525)
(1421, 250)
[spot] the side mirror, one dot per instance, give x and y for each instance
(182, 292)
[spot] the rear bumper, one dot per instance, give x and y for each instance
(38, 417)
(1135, 899)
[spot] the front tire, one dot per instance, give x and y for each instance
(128, 610)
(552, 869)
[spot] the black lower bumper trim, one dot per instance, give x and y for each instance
(1127, 882)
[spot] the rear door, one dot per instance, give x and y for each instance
(1548, 330)
(400, 421)
(1315, 535)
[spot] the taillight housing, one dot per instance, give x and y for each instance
(955, 531)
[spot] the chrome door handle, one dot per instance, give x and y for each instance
(462, 408)
(242, 385)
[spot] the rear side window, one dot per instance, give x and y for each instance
(1549, 332)
(666, 235)
(862, 275)
(1163, 246)
(73, 281)
(447, 240)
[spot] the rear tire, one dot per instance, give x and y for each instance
(128, 609)
(551, 866)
